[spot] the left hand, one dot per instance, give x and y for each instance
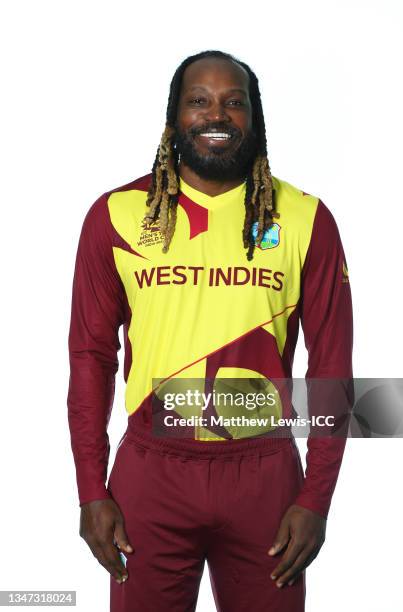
(302, 533)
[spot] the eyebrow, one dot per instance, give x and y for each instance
(232, 90)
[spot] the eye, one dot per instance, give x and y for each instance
(196, 100)
(235, 103)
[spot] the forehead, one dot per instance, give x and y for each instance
(215, 74)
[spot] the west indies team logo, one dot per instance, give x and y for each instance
(271, 237)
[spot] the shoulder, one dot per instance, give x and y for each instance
(303, 207)
(118, 212)
(297, 208)
(140, 184)
(293, 195)
(98, 216)
(128, 201)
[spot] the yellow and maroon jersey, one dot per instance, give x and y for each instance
(202, 310)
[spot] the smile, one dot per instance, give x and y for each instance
(216, 135)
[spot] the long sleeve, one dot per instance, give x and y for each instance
(97, 312)
(327, 322)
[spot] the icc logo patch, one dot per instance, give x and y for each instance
(271, 237)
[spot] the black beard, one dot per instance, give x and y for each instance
(218, 164)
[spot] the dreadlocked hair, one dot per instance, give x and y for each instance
(163, 194)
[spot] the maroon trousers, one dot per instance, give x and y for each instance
(183, 507)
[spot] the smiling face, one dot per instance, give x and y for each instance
(214, 133)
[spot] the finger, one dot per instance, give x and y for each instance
(120, 537)
(282, 538)
(108, 556)
(289, 557)
(302, 561)
(113, 557)
(306, 564)
(110, 566)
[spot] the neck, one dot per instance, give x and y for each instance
(211, 188)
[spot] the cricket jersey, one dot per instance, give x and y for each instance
(202, 311)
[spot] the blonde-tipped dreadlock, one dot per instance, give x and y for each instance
(258, 203)
(162, 197)
(163, 193)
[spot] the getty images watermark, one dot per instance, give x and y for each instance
(255, 403)
(243, 407)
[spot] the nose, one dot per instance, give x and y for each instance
(216, 112)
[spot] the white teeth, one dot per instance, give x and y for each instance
(220, 136)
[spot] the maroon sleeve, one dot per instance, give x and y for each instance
(327, 323)
(96, 314)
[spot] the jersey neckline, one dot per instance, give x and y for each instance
(212, 202)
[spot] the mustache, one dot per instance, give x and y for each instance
(214, 127)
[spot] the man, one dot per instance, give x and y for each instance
(165, 257)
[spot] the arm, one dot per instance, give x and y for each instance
(97, 312)
(327, 322)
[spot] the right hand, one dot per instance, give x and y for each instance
(101, 525)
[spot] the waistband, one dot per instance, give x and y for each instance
(208, 449)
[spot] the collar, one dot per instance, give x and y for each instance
(213, 202)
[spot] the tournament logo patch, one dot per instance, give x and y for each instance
(150, 236)
(271, 237)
